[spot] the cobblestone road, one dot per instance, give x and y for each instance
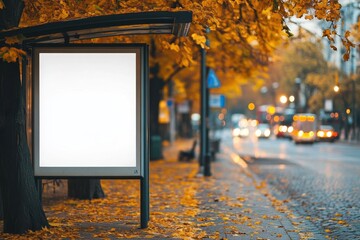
(321, 181)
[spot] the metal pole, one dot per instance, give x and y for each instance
(144, 201)
(203, 124)
(207, 156)
(144, 180)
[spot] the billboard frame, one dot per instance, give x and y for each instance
(141, 171)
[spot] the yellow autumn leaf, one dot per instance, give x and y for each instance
(3, 50)
(64, 14)
(12, 54)
(342, 222)
(207, 224)
(199, 40)
(187, 49)
(2, 4)
(13, 39)
(347, 34)
(185, 62)
(338, 215)
(261, 185)
(175, 47)
(326, 33)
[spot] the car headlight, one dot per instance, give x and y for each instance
(300, 133)
(236, 132)
(290, 129)
(244, 132)
(258, 132)
(282, 128)
(329, 134)
(320, 134)
(267, 132)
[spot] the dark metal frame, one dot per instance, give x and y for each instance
(156, 22)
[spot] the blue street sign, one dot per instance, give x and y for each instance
(217, 101)
(212, 80)
(170, 102)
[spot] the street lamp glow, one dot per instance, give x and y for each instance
(283, 99)
(251, 106)
(291, 98)
(336, 88)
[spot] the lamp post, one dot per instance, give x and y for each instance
(204, 160)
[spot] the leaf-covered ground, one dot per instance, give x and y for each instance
(228, 205)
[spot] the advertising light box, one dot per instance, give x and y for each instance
(88, 111)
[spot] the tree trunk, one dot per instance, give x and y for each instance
(85, 189)
(22, 210)
(156, 86)
(21, 204)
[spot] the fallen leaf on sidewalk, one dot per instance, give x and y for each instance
(261, 185)
(342, 222)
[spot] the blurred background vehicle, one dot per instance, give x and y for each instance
(326, 133)
(304, 128)
(284, 128)
(241, 127)
(263, 130)
(240, 132)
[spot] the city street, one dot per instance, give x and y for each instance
(320, 181)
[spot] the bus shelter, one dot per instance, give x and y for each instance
(49, 45)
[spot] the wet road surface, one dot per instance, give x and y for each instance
(321, 180)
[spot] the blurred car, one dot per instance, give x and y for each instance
(283, 131)
(326, 133)
(263, 130)
(240, 132)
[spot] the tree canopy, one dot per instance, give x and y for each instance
(243, 34)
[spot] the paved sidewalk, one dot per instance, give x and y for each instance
(234, 204)
(231, 204)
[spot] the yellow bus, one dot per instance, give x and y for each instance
(304, 128)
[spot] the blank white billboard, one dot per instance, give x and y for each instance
(87, 113)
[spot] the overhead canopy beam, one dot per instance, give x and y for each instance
(161, 22)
